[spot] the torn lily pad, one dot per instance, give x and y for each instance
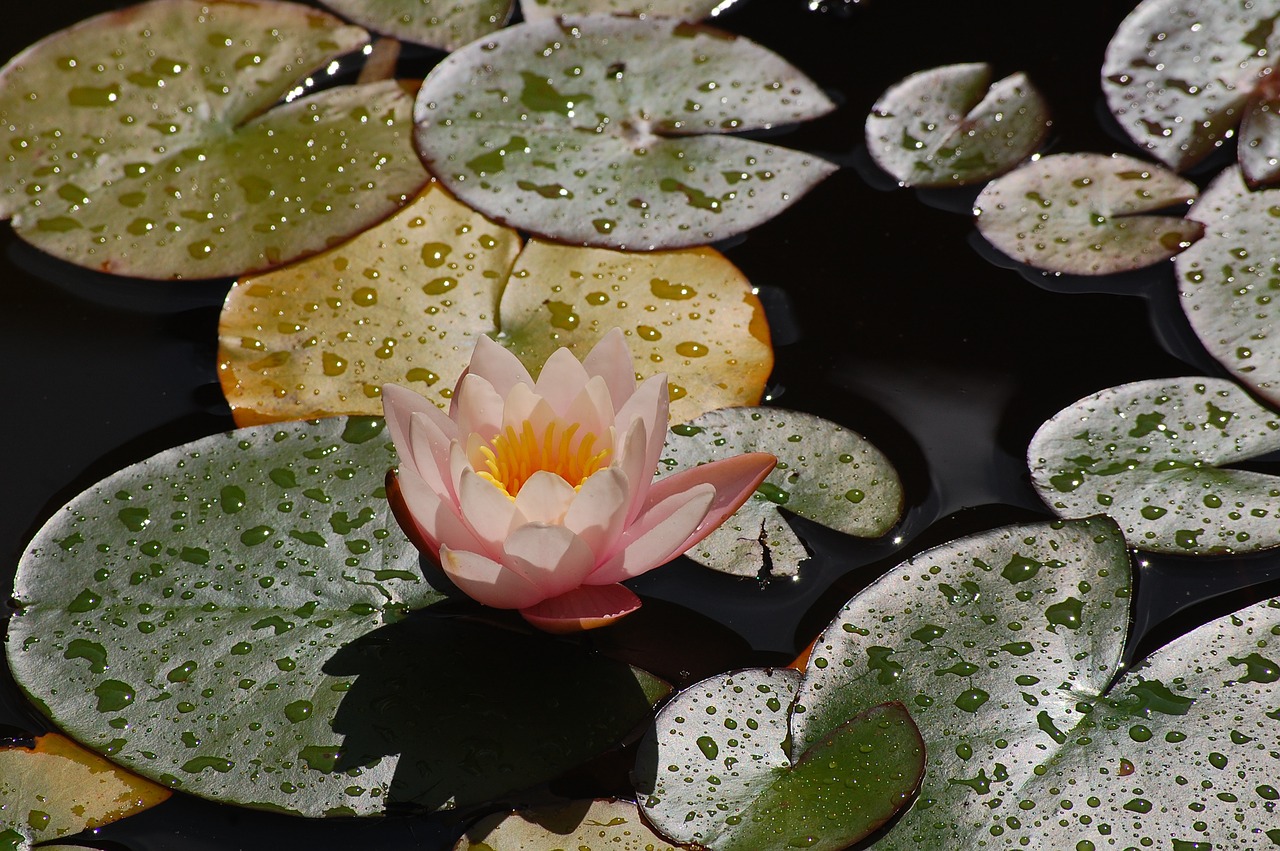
(402, 302)
(1181, 75)
(1083, 214)
(446, 24)
(950, 126)
(146, 142)
(610, 131)
(1226, 280)
(720, 771)
(58, 788)
(825, 473)
(688, 313)
(600, 825)
(1153, 455)
(685, 10)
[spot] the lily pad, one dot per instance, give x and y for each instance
(402, 303)
(143, 142)
(825, 473)
(689, 313)
(58, 788)
(581, 825)
(1226, 280)
(446, 24)
(719, 771)
(1080, 214)
(1180, 75)
(949, 126)
(685, 10)
(609, 131)
(229, 618)
(1152, 454)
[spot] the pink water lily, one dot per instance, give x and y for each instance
(540, 495)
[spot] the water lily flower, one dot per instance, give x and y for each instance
(540, 495)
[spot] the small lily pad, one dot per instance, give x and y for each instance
(949, 126)
(1180, 75)
(688, 313)
(609, 131)
(401, 303)
(144, 142)
(601, 825)
(685, 10)
(446, 24)
(825, 473)
(1226, 280)
(58, 788)
(1080, 214)
(1151, 454)
(719, 769)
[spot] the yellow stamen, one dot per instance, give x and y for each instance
(513, 456)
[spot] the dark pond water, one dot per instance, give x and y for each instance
(890, 315)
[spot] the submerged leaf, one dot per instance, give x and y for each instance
(690, 314)
(685, 10)
(609, 131)
(143, 142)
(949, 126)
(580, 825)
(1151, 455)
(58, 788)
(825, 473)
(401, 303)
(446, 24)
(1079, 214)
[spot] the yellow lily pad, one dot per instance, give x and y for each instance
(58, 788)
(688, 313)
(582, 825)
(402, 303)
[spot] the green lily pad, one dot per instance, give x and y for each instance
(610, 131)
(446, 24)
(1180, 75)
(825, 473)
(719, 771)
(1080, 214)
(685, 10)
(1226, 280)
(949, 126)
(229, 618)
(144, 142)
(581, 825)
(1152, 455)
(58, 788)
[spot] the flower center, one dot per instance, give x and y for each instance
(513, 456)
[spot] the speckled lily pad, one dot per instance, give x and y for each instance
(825, 473)
(446, 24)
(1082, 214)
(144, 142)
(610, 131)
(950, 126)
(602, 825)
(1152, 454)
(685, 10)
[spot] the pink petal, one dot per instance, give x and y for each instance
(561, 380)
(429, 447)
(599, 511)
(592, 407)
(544, 498)
(588, 607)
(735, 478)
(437, 522)
(498, 366)
(487, 510)
(611, 360)
(649, 404)
(657, 535)
(399, 404)
(550, 556)
(520, 406)
(485, 581)
(479, 407)
(633, 460)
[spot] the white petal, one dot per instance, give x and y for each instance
(486, 581)
(656, 536)
(561, 380)
(599, 512)
(487, 510)
(611, 360)
(544, 498)
(552, 557)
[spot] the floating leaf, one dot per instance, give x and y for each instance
(1226, 280)
(685, 10)
(1079, 214)
(609, 131)
(949, 126)
(581, 825)
(446, 24)
(58, 788)
(825, 473)
(400, 303)
(143, 142)
(1151, 455)
(690, 314)
(719, 771)
(1179, 75)
(226, 618)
